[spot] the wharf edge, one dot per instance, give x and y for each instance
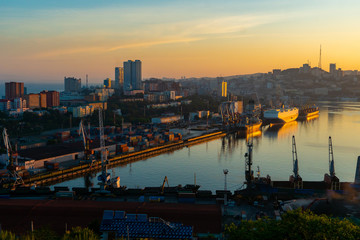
(61, 175)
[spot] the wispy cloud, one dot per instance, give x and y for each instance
(169, 33)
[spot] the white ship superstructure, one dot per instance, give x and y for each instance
(281, 115)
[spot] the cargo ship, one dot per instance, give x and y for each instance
(249, 125)
(281, 115)
(308, 111)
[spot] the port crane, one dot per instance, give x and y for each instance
(249, 173)
(331, 177)
(13, 176)
(86, 140)
(104, 178)
(295, 178)
(163, 185)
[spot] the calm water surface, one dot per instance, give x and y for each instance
(272, 153)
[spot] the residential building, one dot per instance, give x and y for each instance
(224, 89)
(5, 105)
(33, 100)
(43, 100)
(52, 98)
(72, 84)
(132, 75)
(107, 83)
(332, 68)
(119, 78)
(14, 90)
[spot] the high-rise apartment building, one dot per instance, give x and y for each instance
(132, 75)
(107, 83)
(32, 100)
(14, 90)
(332, 68)
(119, 78)
(52, 98)
(224, 89)
(72, 84)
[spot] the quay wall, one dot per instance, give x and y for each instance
(62, 175)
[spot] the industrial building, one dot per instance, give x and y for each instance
(166, 119)
(36, 157)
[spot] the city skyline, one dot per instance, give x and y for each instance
(48, 40)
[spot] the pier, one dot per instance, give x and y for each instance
(79, 170)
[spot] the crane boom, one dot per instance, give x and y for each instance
(331, 159)
(13, 177)
(295, 159)
(82, 133)
(105, 177)
(8, 147)
(163, 185)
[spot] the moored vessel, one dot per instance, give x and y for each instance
(250, 125)
(308, 111)
(281, 115)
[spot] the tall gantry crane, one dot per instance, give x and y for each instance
(295, 178)
(13, 176)
(249, 173)
(104, 178)
(331, 159)
(86, 140)
(331, 178)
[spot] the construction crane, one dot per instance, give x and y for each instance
(14, 177)
(104, 178)
(163, 185)
(86, 140)
(296, 179)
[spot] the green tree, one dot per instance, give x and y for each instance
(6, 235)
(296, 224)
(79, 233)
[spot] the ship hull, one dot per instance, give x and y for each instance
(281, 115)
(248, 128)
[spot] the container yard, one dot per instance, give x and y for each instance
(55, 163)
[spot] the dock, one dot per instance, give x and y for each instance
(79, 170)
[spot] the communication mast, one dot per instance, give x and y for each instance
(319, 66)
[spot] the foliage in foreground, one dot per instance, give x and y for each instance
(45, 233)
(294, 225)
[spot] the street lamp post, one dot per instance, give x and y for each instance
(226, 171)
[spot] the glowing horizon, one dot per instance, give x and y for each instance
(47, 40)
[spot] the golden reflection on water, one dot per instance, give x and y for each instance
(311, 118)
(281, 130)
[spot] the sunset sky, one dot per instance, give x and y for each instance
(47, 40)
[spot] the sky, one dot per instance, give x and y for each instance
(46, 40)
